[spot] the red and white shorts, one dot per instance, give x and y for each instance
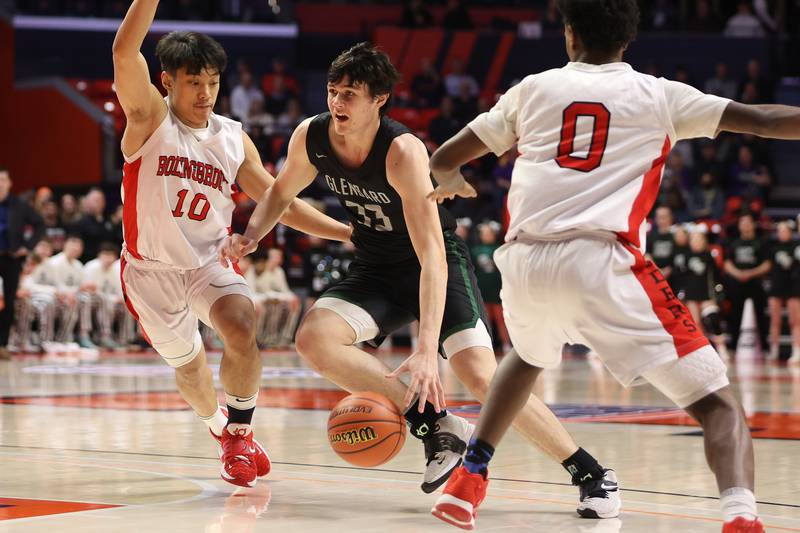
(604, 294)
(168, 302)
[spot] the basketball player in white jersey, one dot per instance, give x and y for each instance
(181, 163)
(593, 138)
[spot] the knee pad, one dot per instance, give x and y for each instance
(711, 320)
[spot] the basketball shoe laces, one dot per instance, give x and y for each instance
(242, 450)
(597, 488)
(442, 441)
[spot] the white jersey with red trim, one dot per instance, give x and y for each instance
(593, 140)
(176, 192)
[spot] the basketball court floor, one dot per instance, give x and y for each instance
(110, 447)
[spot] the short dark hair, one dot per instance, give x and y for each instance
(195, 51)
(364, 63)
(602, 25)
(108, 247)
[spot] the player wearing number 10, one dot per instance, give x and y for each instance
(181, 162)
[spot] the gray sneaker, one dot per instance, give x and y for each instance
(444, 449)
(600, 498)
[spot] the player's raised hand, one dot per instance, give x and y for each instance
(424, 369)
(234, 247)
(449, 189)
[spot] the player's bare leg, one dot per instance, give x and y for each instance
(234, 319)
(196, 385)
(794, 324)
(475, 368)
(775, 323)
(728, 444)
(325, 340)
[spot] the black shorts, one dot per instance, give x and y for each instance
(390, 294)
(783, 289)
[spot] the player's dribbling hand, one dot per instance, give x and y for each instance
(424, 370)
(458, 187)
(234, 247)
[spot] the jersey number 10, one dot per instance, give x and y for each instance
(597, 147)
(196, 210)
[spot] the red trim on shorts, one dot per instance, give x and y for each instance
(647, 196)
(673, 315)
(130, 188)
(128, 304)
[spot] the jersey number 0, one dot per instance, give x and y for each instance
(597, 147)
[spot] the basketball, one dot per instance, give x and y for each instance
(366, 429)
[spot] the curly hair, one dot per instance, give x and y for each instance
(363, 63)
(602, 25)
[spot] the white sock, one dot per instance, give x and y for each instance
(738, 501)
(216, 422)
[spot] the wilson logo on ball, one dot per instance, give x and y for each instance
(364, 434)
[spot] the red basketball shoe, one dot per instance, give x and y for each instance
(262, 459)
(743, 525)
(239, 458)
(458, 505)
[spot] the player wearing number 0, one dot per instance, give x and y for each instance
(181, 163)
(593, 138)
(409, 265)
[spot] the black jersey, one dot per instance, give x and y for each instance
(660, 246)
(785, 266)
(700, 278)
(747, 254)
(373, 206)
(677, 277)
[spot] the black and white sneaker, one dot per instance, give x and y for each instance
(444, 450)
(600, 497)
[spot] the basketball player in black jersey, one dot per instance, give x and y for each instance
(784, 289)
(700, 279)
(409, 266)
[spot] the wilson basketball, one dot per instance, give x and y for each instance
(366, 429)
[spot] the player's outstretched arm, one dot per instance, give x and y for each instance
(768, 120)
(407, 172)
(446, 163)
(140, 100)
(255, 181)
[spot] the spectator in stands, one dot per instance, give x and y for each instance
(457, 78)
(224, 106)
(488, 277)
(277, 99)
(465, 103)
(704, 19)
(42, 196)
(15, 215)
(783, 291)
(660, 241)
(744, 23)
(281, 305)
(501, 180)
(243, 95)
(672, 195)
(663, 16)
(706, 159)
(678, 171)
(93, 227)
(762, 84)
(116, 225)
(102, 297)
(426, 86)
(707, 199)
(54, 231)
(64, 272)
(34, 302)
(69, 211)
(747, 263)
(258, 117)
(288, 121)
(720, 84)
(279, 71)
(416, 15)
(748, 177)
(456, 16)
(444, 125)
